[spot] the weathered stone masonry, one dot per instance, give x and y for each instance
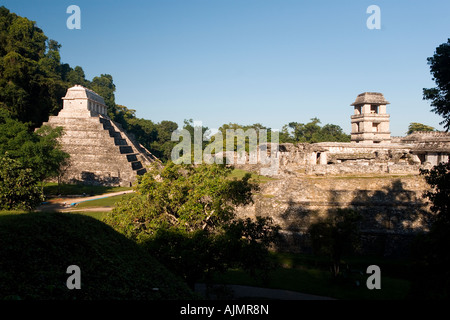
(101, 152)
(392, 207)
(375, 174)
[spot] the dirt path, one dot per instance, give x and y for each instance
(67, 204)
(239, 292)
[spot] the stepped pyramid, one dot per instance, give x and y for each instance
(101, 152)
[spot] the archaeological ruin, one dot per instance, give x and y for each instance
(101, 152)
(375, 174)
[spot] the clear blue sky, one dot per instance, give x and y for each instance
(249, 61)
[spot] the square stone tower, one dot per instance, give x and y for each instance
(370, 122)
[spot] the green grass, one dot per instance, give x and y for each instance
(309, 274)
(98, 215)
(319, 282)
(104, 202)
(53, 189)
(12, 212)
(297, 272)
(38, 247)
(240, 173)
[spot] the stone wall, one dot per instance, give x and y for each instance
(100, 152)
(392, 208)
(334, 158)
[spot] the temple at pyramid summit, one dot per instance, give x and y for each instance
(101, 152)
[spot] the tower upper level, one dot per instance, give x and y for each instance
(370, 103)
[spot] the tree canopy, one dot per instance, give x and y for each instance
(185, 216)
(39, 151)
(440, 95)
(32, 77)
(415, 126)
(184, 197)
(18, 185)
(431, 249)
(312, 132)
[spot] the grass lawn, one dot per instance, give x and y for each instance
(38, 247)
(7, 212)
(103, 202)
(308, 274)
(240, 173)
(93, 214)
(52, 189)
(319, 282)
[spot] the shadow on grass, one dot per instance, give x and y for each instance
(37, 248)
(53, 189)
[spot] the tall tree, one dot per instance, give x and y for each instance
(31, 85)
(312, 132)
(32, 77)
(185, 197)
(105, 87)
(440, 95)
(76, 76)
(432, 278)
(39, 151)
(336, 235)
(185, 215)
(415, 126)
(18, 186)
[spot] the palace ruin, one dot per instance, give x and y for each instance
(375, 174)
(372, 150)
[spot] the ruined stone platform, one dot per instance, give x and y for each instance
(101, 152)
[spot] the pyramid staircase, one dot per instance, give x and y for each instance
(101, 152)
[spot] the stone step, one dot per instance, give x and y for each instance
(70, 121)
(141, 172)
(100, 150)
(112, 167)
(125, 149)
(115, 134)
(76, 114)
(136, 165)
(104, 149)
(108, 123)
(101, 177)
(93, 142)
(108, 126)
(120, 142)
(132, 157)
(108, 157)
(87, 134)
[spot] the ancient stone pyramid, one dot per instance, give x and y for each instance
(101, 152)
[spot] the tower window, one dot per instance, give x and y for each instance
(374, 109)
(375, 127)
